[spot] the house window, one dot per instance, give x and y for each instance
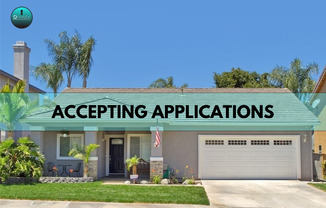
(282, 142)
(320, 149)
(65, 144)
(140, 146)
(259, 142)
(237, 142)
(214, 142)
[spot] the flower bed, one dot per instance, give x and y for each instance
(65, 179)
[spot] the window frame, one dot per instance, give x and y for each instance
(137, 135)
(320, 149)
(58, 146)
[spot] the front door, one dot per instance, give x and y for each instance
(116, 155)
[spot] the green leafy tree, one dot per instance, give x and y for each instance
(165, 83)
(15, 105)
(50, 74)
(297, 78)
(238, 78)
(72, 56)
(83, 153)
(20, 159)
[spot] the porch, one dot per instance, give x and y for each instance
(109, 159)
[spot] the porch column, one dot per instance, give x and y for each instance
(156, 159)
(91, 138)
(3, 135)
(37, 135)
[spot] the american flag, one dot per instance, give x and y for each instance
(157, 138)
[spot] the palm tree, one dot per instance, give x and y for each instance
(297, 78)
(50, 74)
(14, 106)
(165, 83)
(132, 163)
(85, 59)
(83, 153)
(66, 54)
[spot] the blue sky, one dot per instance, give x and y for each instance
(140, 41)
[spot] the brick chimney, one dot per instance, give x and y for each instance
(21, 62)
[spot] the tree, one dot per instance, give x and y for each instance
(132, 163)
(165, 83)
(15, 105)
(238, 78)
(71, 56)
(297, 78)
(50, 74)
(83, 153)
(86, 60)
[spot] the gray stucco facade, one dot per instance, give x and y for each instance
(179, 149)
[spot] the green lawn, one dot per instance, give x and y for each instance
(321, 186)
(106, 193)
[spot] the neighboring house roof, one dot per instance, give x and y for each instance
(288, 110)
(320, 81)
(17, 79)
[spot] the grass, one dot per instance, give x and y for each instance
(321, 186)
(106, 193)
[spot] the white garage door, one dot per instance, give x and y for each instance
(248, 157)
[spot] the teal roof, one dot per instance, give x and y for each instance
(288, 110)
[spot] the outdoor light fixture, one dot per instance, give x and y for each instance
(65, 133)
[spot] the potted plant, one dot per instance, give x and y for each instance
(132, 163)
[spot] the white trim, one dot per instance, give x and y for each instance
(107, 150)
(156, 159)
(134, 135)
(36, 128)
(93, 158)
(154, 128)
(270, 136)
(58, 157)
(90, 128)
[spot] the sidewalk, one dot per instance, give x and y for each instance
(6, 203)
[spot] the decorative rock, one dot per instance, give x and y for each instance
(143, 182)
(65, 180)
(186, 182)
(165, 181)
(126, 182)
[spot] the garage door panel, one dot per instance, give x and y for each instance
(214, 153)
(258, 159)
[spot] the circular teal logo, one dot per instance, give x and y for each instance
(21, 17)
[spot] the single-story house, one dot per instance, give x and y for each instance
(273, 145)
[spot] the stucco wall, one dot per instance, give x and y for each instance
(323, 88)
(50, 152)
(101, 154)
(181, 149)
(4, 80)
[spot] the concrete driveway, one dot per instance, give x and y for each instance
(263, 193)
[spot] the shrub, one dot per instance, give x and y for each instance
(191, 181)
(20, 159)
(156, 179)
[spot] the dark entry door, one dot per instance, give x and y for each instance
(116, 155)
